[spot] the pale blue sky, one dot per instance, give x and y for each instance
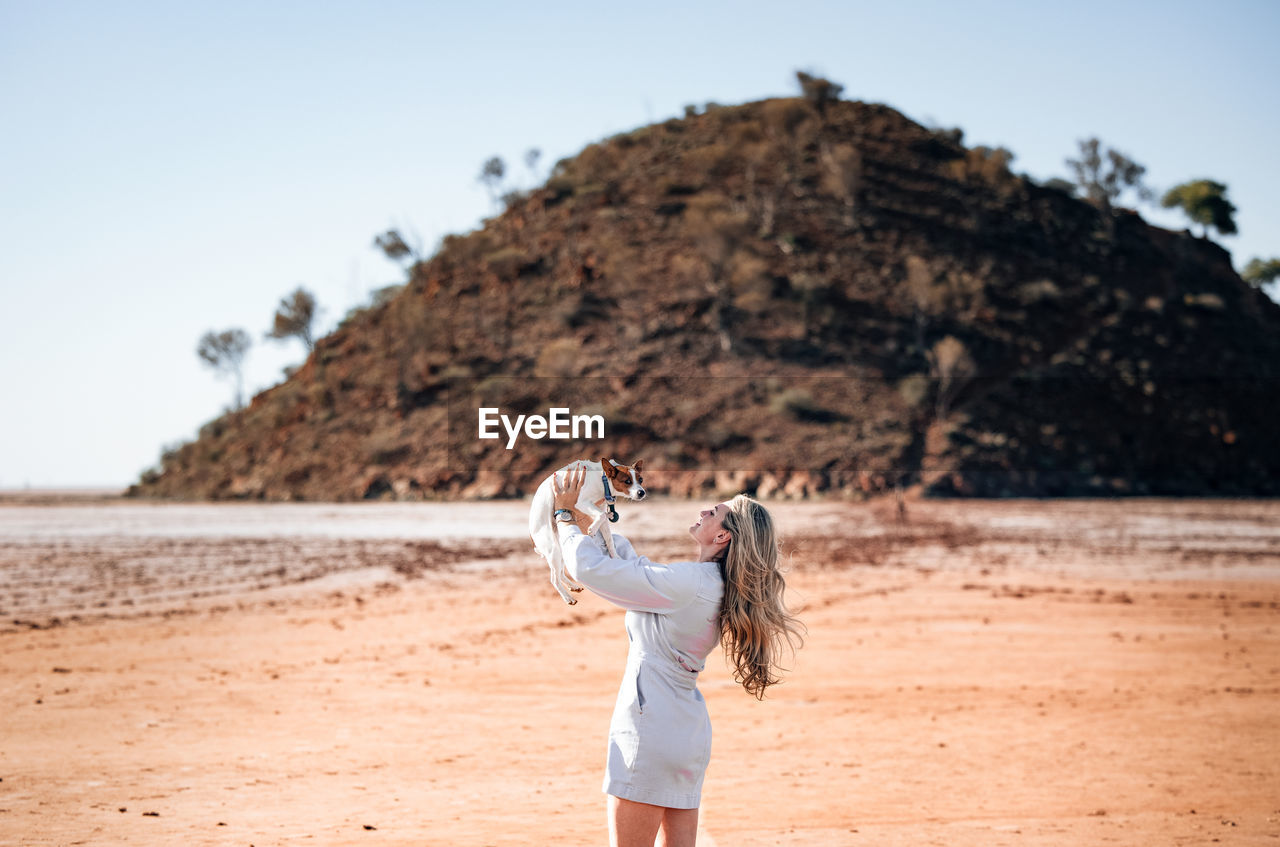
(168, 168)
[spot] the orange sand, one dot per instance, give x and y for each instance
(1000, 674)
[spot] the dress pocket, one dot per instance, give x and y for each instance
(628, 715)
(626, 743)
(639, 698)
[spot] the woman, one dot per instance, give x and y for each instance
(660, 735)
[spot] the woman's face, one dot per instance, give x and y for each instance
(709, 530)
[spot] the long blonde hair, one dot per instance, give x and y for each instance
(755, 625)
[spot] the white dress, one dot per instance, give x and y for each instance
(660, 735)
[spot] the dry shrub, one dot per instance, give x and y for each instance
(983, 164)
(950, 359)
(562, 357)
(631, 139)
(924, 295)
(717, 230)
(319, 396)
(1209, 301)
(952, 366)
(559, 187)
(1038, 290)
(720, 435)
(596, 163)
(386, 448)
(914, 390)
(506, 262)
(457, 371)
(750, 283)
(467, 248)
(716, 227)
(810, 284)
(713, 160)
(687, 267)
(494, 390)
(814, 290)
(841, 172)
(619, 259)
(934, 289)
(414, 326)
(760, 157)
(592, 191)
(965, 290)
(782, 117)
(743, 133)
(764, 182)
(799, 404)
(419, 370)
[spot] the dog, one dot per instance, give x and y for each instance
(605, 479)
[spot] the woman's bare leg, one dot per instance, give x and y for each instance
(633, 824)
(679, 828)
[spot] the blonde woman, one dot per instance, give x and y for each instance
(660, 735)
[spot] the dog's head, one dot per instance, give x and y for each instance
(625, 479)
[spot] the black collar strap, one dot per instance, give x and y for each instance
(609, 499)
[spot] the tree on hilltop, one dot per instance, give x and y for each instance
(1104, 175)
(1204, 202)
(531, 158)
(1259, 272)
(394, 247)
(818, 91)
(492, 172)
(225, 352)
(294, 318)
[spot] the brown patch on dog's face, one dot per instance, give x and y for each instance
(621, 473)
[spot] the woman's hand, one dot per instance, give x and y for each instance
(566, 495)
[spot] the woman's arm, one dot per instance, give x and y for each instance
(630, 581)
(565, 497)
(623, 545)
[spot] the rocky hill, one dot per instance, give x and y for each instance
(786, 301)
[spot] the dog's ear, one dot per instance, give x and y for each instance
(606, 464)
(637, 465)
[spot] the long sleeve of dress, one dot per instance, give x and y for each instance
(630, 581)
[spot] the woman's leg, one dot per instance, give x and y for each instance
(679, 828)
(633, 824)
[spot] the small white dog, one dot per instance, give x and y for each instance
(605, 479)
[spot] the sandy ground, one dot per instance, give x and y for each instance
(1079, 673)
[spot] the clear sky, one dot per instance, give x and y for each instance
(169, 168)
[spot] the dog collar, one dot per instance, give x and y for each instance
(609, 498)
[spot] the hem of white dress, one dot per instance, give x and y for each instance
(666, 799)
